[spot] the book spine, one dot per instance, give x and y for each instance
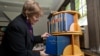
(56, 23)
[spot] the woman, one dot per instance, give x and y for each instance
(18, 39)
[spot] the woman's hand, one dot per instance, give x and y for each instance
(45, 35)
(42, 53)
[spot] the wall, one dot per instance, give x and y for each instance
(39, 28)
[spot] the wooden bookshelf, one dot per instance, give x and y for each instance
(73, 49)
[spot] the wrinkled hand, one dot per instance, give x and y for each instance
(45, 35)
(42, 53)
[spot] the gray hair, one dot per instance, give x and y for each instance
(31, 7)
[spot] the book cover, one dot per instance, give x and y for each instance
(51, 45)
(56, 44)
(56, 23)
(61, 22)
(62, 42)
(59, 19)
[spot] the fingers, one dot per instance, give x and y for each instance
(45, 35)
(42, 53)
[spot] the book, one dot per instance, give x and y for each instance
(56, 44)
(51, 47)
(68, 18)
(61, 22)
(62, 42)
(56, 23)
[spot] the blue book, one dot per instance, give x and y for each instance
(61, 22)
(68, 21)
(56, 44)
(51, 45)
(62, 42)
(59, 19)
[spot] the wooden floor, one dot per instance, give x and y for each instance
(89, 53)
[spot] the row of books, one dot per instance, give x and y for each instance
(60, 22)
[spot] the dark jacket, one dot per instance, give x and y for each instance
(17, 40)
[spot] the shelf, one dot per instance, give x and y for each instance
(70, 11)
(67, 33)
(74, 31)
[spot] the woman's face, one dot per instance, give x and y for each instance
(33, 19)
